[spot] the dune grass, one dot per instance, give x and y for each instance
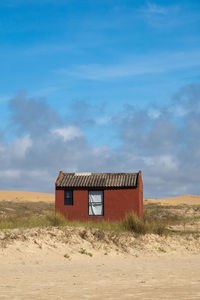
(142, 226)
(10, 223)
(157, 219)
(130, 223)
(57, 220)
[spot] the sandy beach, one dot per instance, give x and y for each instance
(71, 264)
(116, 277)
(79, 263)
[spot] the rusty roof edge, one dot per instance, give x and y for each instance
(59, 178)
(137, 178)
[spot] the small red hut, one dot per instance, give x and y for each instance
(99, 196)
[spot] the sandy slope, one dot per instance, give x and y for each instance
(184, 199)
(20, 196)
(33, 265)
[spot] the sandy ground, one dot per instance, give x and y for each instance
(77, 263)
(179, 200)
(48, 264)
(19, 196)
(116, 277)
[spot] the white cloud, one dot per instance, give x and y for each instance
(103, 120)
(20, 145)
(98, 151)
(154, 113)
(10, 174)
(167, 154)
(167, 163)
(153, 8)
(68, 133)
(2, 149)
(136, 66)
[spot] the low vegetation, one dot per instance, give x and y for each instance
(142, 226)
(160, 249)
(157, 219)
(66, 256)
(84, 251)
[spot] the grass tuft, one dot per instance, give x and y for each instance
(160, 249)
(56, 220)
(67, 256)
(134, 224)
(159, 228)
(84, 251)
(142, 226)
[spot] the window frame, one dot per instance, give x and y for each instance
(71, 198)
(102, 191)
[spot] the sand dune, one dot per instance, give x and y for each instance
(20, 196)
(50, 264)
(184, 199)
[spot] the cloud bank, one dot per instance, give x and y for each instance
(164, 142)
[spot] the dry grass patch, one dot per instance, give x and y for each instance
(181, 219)
(143, 226)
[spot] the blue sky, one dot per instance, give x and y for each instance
(95, 66)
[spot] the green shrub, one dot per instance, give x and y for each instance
(162, 250)
(84, 251)
(134, 224)
(159, 228)
(141, 226)
(56, 220)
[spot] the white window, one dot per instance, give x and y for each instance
(95, 199)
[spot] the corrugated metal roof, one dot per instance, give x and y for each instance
(97, 180)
